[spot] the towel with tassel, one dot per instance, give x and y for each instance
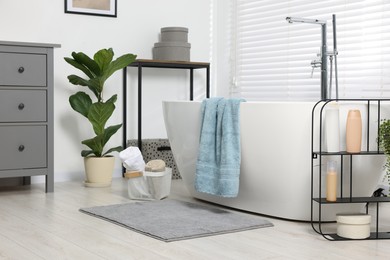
(219, 156)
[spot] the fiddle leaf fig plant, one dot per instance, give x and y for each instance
(97, 71)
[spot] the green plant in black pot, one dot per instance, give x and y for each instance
(384, 142)
(97, 70)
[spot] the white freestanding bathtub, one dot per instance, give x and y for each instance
(275, 178)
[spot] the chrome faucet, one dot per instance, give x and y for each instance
(325, 94)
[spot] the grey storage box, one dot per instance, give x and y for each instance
(174, 51)
(173, 46)
(174, 34)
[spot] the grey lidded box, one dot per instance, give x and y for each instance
(174, 34)
(173, 45)
(175, 51)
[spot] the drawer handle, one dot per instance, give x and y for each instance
(21, 70)
(21, 148)
(21, 106)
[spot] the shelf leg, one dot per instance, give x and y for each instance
(140, 107)
(191, 84)
(208, 82)
(377, 220)
(124, 124)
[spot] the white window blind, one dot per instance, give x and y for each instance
(272, 57)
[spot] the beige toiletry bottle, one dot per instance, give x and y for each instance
(354, 131)
(331, 182)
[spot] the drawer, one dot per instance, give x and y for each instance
(23, 147)
(22, 106)
(20, 69)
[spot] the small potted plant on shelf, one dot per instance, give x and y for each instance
(384, 142)
(98, 162)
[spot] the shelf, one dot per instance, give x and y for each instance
(169, 64)
(140, 64)
(353, 200)
(373, 117)
(315, 154)
(373, 235)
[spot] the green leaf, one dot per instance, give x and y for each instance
(96, 86)
(77, 80)
(120, 63)
(109, 132)
(80, 102)
(85, 153)
(89, 63)
(103, 58)
(113, 99)
(92, 84)
(79, 66)
(384, 136)
(95, 144)
(114, 149)
(98, 115)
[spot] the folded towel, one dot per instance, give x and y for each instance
(132, 159)
(219, 157)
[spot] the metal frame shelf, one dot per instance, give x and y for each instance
(318, 155)
(145, 63)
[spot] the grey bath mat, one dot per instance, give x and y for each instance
(171, 220)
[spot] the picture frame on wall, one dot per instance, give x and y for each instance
(92, 7)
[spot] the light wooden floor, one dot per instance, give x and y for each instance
(36, 225)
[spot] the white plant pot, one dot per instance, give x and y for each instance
(98, 171)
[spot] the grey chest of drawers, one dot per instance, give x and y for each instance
(26, 110)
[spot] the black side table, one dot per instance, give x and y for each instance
(141, 63)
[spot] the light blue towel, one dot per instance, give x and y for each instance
(219, 157)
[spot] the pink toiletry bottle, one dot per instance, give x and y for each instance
(354, 131)
(331, 182)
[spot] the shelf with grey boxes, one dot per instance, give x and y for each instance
(26, 110)
(345, 158)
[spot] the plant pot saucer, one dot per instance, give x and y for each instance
(96, 184)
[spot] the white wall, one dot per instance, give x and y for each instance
(135, 30)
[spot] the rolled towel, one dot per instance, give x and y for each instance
(155, 166)
(132, 159)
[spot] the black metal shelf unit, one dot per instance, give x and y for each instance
(317, 116)
(145, 63)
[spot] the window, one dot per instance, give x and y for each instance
(272, 58)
